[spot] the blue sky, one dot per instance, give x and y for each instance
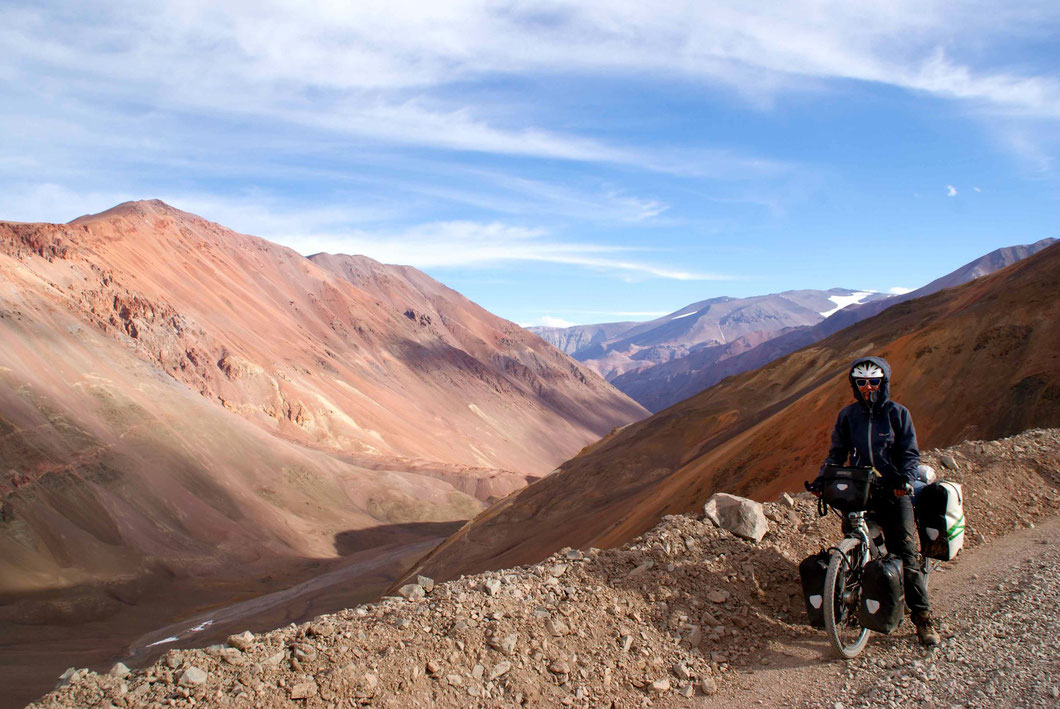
(555, 162)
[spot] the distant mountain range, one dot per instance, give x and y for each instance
(614, 349)
(976, 361)
(661, 362)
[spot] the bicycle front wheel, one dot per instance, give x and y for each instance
(842, 594)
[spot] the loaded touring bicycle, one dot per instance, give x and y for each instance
(855, 587)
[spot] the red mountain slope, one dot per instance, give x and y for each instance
(979, 361)
(172, 391)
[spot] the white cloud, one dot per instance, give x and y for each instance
(549, 321)
(899, 290)
(478, 244)
(393, 70)
(951, 191)
(976, 189)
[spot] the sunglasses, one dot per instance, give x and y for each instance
(874, 382)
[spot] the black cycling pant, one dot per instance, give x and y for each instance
(896, 519)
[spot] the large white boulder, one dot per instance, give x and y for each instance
(744, 518)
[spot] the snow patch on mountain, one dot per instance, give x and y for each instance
(842, 301)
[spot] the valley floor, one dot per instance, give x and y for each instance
(193, 612)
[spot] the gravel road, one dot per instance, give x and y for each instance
(1000, 635)
(998, 610)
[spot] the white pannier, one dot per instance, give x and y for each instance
(940, 519)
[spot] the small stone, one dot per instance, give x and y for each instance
(304, 690)
(412, 592)
(231, 656)
(66, 676)
(680, 670)
(641, 569)
(434, 666)
(685, 689)
(322, 629)
(708, 686)
(625, 642)
(454, 679)
(559, 667)
(948, 461)
(661, 685)
(557, 627)
(492, 586)
(306, 652)
(119, 670)
(575, 554)
(192, 676)
(477, 671)
(718, 596)
(426, 582)
(274, 660)
(371, 680)
(558, 570)
(172, 660)
(505, 644)
(499, 669)
(695, 637)
(243, 641)
(787, 499)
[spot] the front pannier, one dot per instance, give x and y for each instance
(846, 489)
(812, 571)
(882, 595)
(940, 520)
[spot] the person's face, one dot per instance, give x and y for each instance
(868, 385)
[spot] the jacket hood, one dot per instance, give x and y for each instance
(885, 387)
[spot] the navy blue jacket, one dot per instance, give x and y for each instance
(878, 433)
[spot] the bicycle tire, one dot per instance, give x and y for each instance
(846, 635)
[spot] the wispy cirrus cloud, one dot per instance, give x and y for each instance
(476, 244)
(323, 66)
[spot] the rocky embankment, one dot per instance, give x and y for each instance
(686, 610)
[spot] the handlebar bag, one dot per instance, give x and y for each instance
(846, 489)
(882, 596)
(812, 571)
(940, 520)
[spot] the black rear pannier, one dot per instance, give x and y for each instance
(882, 595)
(811, 572)
(846, 489)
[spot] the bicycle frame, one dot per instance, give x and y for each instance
(857, 525)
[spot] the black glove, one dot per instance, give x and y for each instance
(903, 488)
(814, 487)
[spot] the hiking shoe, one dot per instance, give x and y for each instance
(925, 629)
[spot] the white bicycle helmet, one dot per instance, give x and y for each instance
(866, 370)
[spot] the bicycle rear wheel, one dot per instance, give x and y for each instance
(842, 594)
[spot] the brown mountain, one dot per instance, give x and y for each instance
(197, 414)
(978, 361)
(670, 382)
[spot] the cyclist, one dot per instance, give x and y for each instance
(875, 431)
